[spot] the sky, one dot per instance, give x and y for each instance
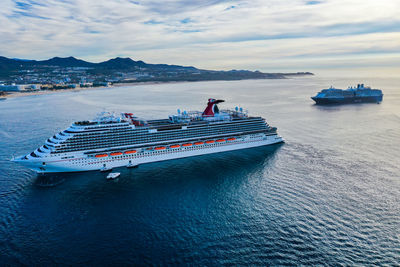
(322, 36)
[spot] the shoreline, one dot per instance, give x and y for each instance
(48, 92)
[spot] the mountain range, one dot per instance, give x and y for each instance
(21, 70)
(117, 63)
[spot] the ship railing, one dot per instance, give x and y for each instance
(186, 117)
(84, 123)
(107, 117)
(193, 116)
(236, 113)
(172, 141)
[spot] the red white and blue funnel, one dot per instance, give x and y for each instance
(212, 107)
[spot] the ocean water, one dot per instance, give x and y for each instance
(329, 195)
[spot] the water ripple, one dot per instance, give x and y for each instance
(329, 196)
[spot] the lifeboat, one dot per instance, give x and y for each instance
(231, 139)
(188, 144)
(116, 153)
(149, 148)
(221, 140)
(130, 152)
(101, 155)
(210, 142)
(174, 146)
(198, 143)
(160, 148)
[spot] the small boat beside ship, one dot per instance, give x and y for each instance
(359, 94)
(113, 175)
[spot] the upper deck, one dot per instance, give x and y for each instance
(210, 116)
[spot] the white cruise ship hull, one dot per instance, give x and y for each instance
(77, 162)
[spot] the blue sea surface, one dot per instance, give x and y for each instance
(329, 195)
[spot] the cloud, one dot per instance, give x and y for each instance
(220, 34)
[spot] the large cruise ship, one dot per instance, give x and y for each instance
(359, 94)
(111, 141)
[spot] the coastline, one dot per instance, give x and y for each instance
(47, 92)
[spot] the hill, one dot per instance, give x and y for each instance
(117, 70)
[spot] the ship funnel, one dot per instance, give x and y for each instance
(236, 108)
(179, 111)
(212, 107)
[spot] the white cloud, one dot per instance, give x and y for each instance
(269, 35)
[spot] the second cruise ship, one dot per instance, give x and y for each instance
(111, 141)
(359, 94)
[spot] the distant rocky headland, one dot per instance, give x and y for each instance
(61, 73)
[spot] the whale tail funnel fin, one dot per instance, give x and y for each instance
(212, 107)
